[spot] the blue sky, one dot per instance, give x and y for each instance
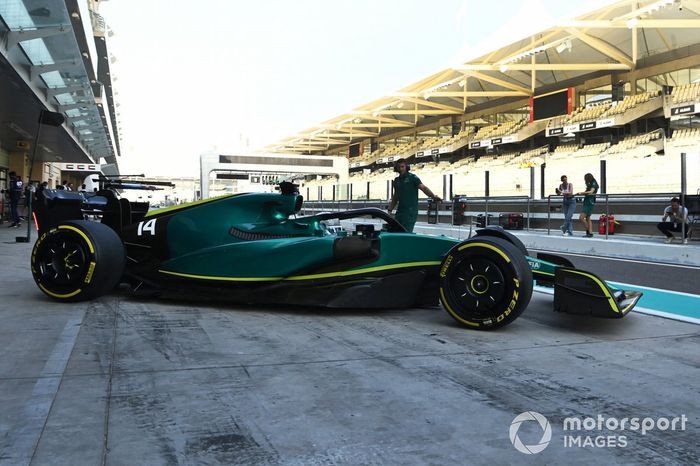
(215, 74)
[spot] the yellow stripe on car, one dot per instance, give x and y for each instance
(189, 204)
(361, 271)
(77, 230)
(488, 246)
(346, 273)
(229, 279)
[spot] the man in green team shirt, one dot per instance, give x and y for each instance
(404, 192)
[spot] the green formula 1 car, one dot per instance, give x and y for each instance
(252, 248)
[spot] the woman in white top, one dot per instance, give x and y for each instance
(566, 190)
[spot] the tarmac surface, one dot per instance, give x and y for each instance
(125, 381)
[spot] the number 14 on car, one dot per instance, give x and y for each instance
(147, 227)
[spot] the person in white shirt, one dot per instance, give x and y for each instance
(678, 216)
(566, 190)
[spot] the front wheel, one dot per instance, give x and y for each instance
(78, 260)
(485, 282)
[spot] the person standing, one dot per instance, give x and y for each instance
(40, 189)
(29, 191)
(588, 203)
(404, 192)
(678, 216)
(566, 190)
(15, 190)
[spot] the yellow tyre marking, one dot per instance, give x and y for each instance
(59, 296)
(474, 289)
(453, 313)
(90, 271)
(488, 246)
(70, 227)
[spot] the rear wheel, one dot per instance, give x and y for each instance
(78, 260)
(485, 282)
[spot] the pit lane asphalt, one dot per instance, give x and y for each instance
(129, 381)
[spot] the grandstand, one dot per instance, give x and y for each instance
(686, 93)
(613, 92)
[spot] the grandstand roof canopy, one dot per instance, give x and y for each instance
(619, 37)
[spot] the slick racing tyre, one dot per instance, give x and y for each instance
(78, 260)
(485, 282)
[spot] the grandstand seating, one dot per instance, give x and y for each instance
(685, 135)
(685, 93)
(407, 149)
(602, 109)
(563, 151)
(629, 164)
(501, 129)
(592, 149)
(629, 102)
(589, 112)
(629, 144)
(530, 158)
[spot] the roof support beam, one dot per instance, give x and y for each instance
(369, 115)
(546, 67)
(379, 124)
(301, 147)
(464, 94)
(63, 108)
(318, 140)
(428, 103)
(602, 47)
(36, 70)
(345, 135)
(420, 112)
(432, 81)
(498, 82)
(311, 142)
(15, 37)
(54, 91)
(531, 46)
(640, 23)
(351, 130)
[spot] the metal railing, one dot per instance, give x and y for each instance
(607, 197)
(533, 209)
(500, 200)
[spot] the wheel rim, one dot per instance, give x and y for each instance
(478, 284)
(63, 261)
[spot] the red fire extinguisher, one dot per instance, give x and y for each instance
(611, 224)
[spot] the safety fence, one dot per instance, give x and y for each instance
(636, 214)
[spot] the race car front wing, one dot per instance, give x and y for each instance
(583, 293)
